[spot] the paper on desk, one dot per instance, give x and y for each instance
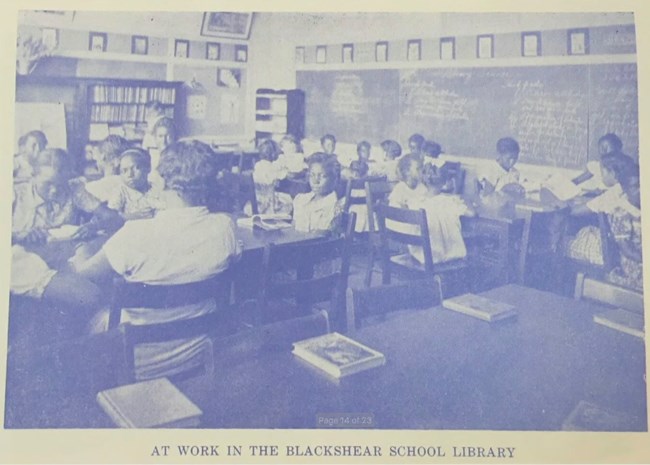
(62, 233)
(562, 187)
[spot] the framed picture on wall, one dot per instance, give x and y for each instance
(300, 55)
(97, 41)
(447, 48)
(414, 50)
(50, 37)
(241, 53)
(485, 46)
(321, 54)
(139, 45)
(234, 25)
(578, 41)
(531, 44)
(348, 53)
(381, 51)
(182, 48)
(212, 51)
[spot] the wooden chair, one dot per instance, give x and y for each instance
(359, 185)
(376, 194)
(379, 300)
(608, 293)
(542, 240)
(299, 272)
(138, 295)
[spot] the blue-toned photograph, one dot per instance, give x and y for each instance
(392, 221)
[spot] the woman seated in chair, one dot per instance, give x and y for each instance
(443, 218)
(625, 223)
(320, 209)
(183, 244)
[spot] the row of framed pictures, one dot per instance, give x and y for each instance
(531, 46)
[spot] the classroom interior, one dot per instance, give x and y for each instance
(310, 173)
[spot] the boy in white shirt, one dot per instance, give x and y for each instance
(503, 173)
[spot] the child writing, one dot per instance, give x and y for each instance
(409, 168)
(502, 176)
(320, 209)
(443, 219)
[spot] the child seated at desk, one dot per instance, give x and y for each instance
(431, 153)
(415, 143)
(109, 153)
(502, 175)
(320, 209)
(328, 144)
(359, 170)
(443, 219)
(592, 178)
(291, 158)
(267, 172)
(29, 145)
(625, 224)
(388, 166)
(134, 197)
(185, 243)
(410, 186)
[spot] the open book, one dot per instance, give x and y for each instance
(480, 307)
(268, 222)
(337, 355)
(156, 403)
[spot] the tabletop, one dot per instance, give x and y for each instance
(446, 370)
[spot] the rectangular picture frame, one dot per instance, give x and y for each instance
(531, 44)
(97, 41)
(485, 46)
(181, 48)
(447, 48)
(139, 45)
(300, 55)
(213, 51)
(347, 53)
(228, 24)
(381, 51)
(321, 54)
(578, 41)
(241, 53)
(414, 50)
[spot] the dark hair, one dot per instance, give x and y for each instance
(418, 139)
(113, 146)
(329, 163)
(40, 137)
(154, 105)
(359, 167)
(431, 149)
(618, 163)
(140, 157)
(268, 150)
(326, 137)
(56, 159)
(507, 145)
(432, 176)
(392, 148)
(405, 163)
(190, 169)
(167, 123)
(363, 143)
(614, 140)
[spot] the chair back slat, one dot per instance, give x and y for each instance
(608, 293)
(376, 194)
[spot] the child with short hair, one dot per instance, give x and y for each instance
(109, 153)
(267, 173)
(503, 173)
(134, 198)
(415, 143)
(328, 143)
(320, 209)
(443, 218)
(392, 152)
(291, 158)
(409, 168)
(29, 145)
(591, 179)
(431, 153)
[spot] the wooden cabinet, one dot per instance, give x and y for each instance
(279, 112)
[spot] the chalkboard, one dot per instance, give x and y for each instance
(557, 113)
(468, 109)
(351, 105)
(613, 105)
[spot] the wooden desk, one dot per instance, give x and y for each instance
(445, 370)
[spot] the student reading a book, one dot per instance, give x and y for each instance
(388, 166)
(182, 244)
(134, 197)
(625, 224)
(320, 209)
(415, 143)
(267, 173)
(586, 246)
(409, 169)
(443, 218)
(29, 145)
(502, 173)
(291, 158)
(591, 179)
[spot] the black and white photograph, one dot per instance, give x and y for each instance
(446, 238)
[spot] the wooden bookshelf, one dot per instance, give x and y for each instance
(279, 112)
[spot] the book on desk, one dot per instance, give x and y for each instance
(622, 320)
(155, 403)
(337, 355)
(480, 307)
(267, 222)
